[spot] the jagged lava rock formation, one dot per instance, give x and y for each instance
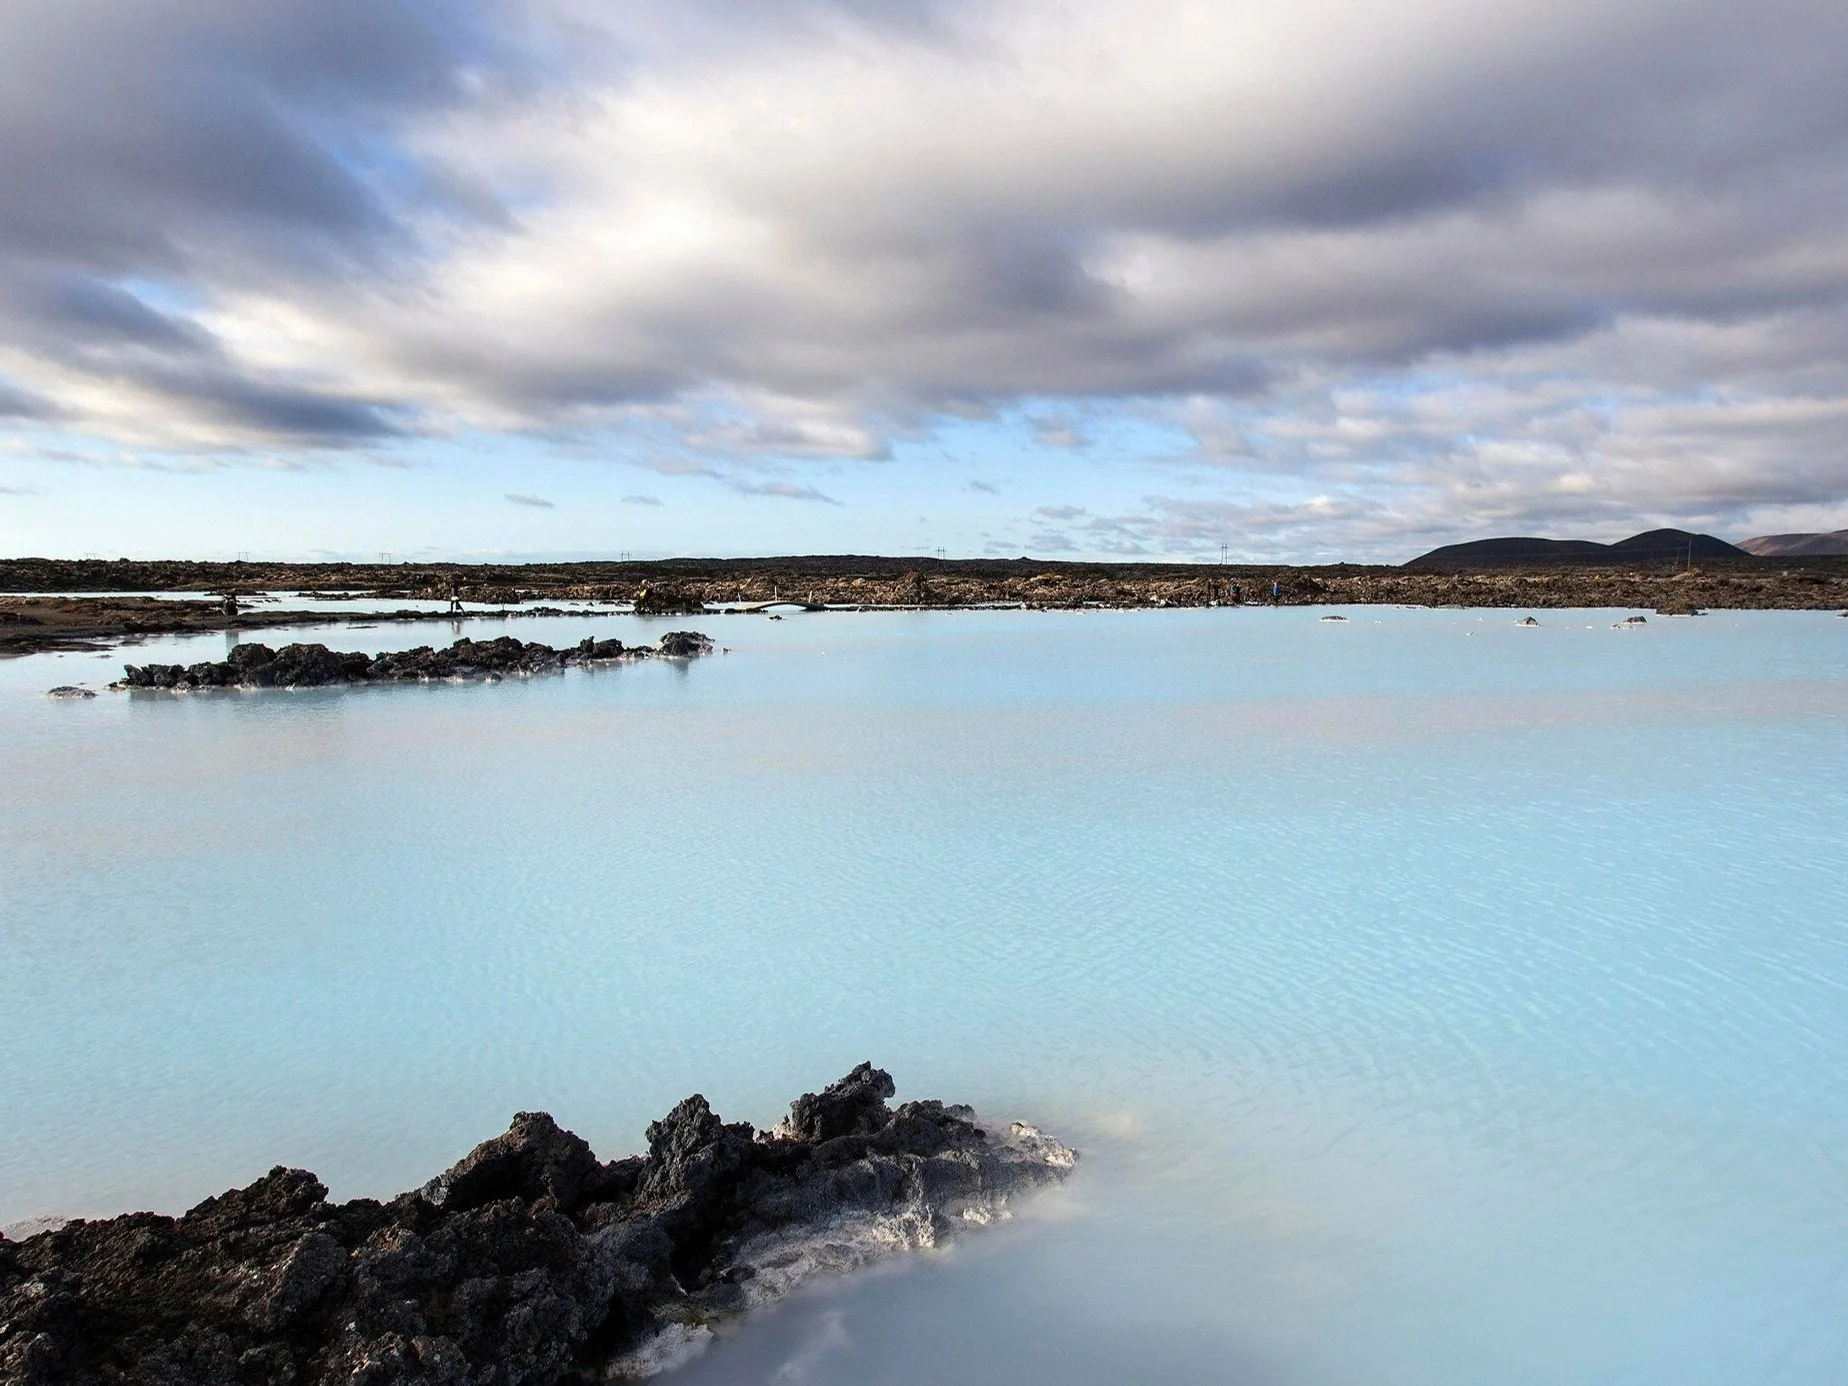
(529, 1262)
(315, 666)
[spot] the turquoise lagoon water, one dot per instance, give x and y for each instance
(1435, 1000)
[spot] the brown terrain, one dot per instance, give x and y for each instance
(680, 586)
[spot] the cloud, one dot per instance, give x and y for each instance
(1198, 526)
(1060, 512)
(159, 161)
(536, 502)
(17, 491)
(677, 466)
(787, 490)
(18, 404)
(1056, 431)
(641, 500)
(1585, 265)
(1643, 423)
(981, 488)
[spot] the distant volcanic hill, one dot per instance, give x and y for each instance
(1655, 546)
(1832, 545)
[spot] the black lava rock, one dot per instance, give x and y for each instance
(684, 644)
(526, 1263)
(315, 666)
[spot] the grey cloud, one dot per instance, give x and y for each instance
(981, 487)
(1060, 512)
(784, 489)
(17, 491)
(279, 410)
(536, 502)
(1314, 229)
(1056, 431)
(138, 137)
(641, 500)
(209, 150)
(73, 308)
(677, 466)
(173, 369)
(21, 404)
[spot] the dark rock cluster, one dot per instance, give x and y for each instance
(528, 1263)
(314, 666)
(655, 600)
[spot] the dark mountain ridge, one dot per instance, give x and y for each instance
(1652, 546)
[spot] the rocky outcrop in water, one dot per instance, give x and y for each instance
(527, 1263)
(655, 600)
(316, 666)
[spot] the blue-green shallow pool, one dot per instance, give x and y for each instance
(1436, 1000)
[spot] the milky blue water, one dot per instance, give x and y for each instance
(1435, 1000)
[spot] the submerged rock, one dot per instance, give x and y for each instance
(315, 666)
(527, 1262)
(68, 690)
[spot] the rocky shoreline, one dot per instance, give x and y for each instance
(60, 616)
(315, 666)
(688, 586)
(529, 1262)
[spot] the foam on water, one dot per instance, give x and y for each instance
(1436, 1000)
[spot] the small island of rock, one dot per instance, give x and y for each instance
(527, 1263)
(316, 666)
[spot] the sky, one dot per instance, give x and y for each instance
(1296, 280)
